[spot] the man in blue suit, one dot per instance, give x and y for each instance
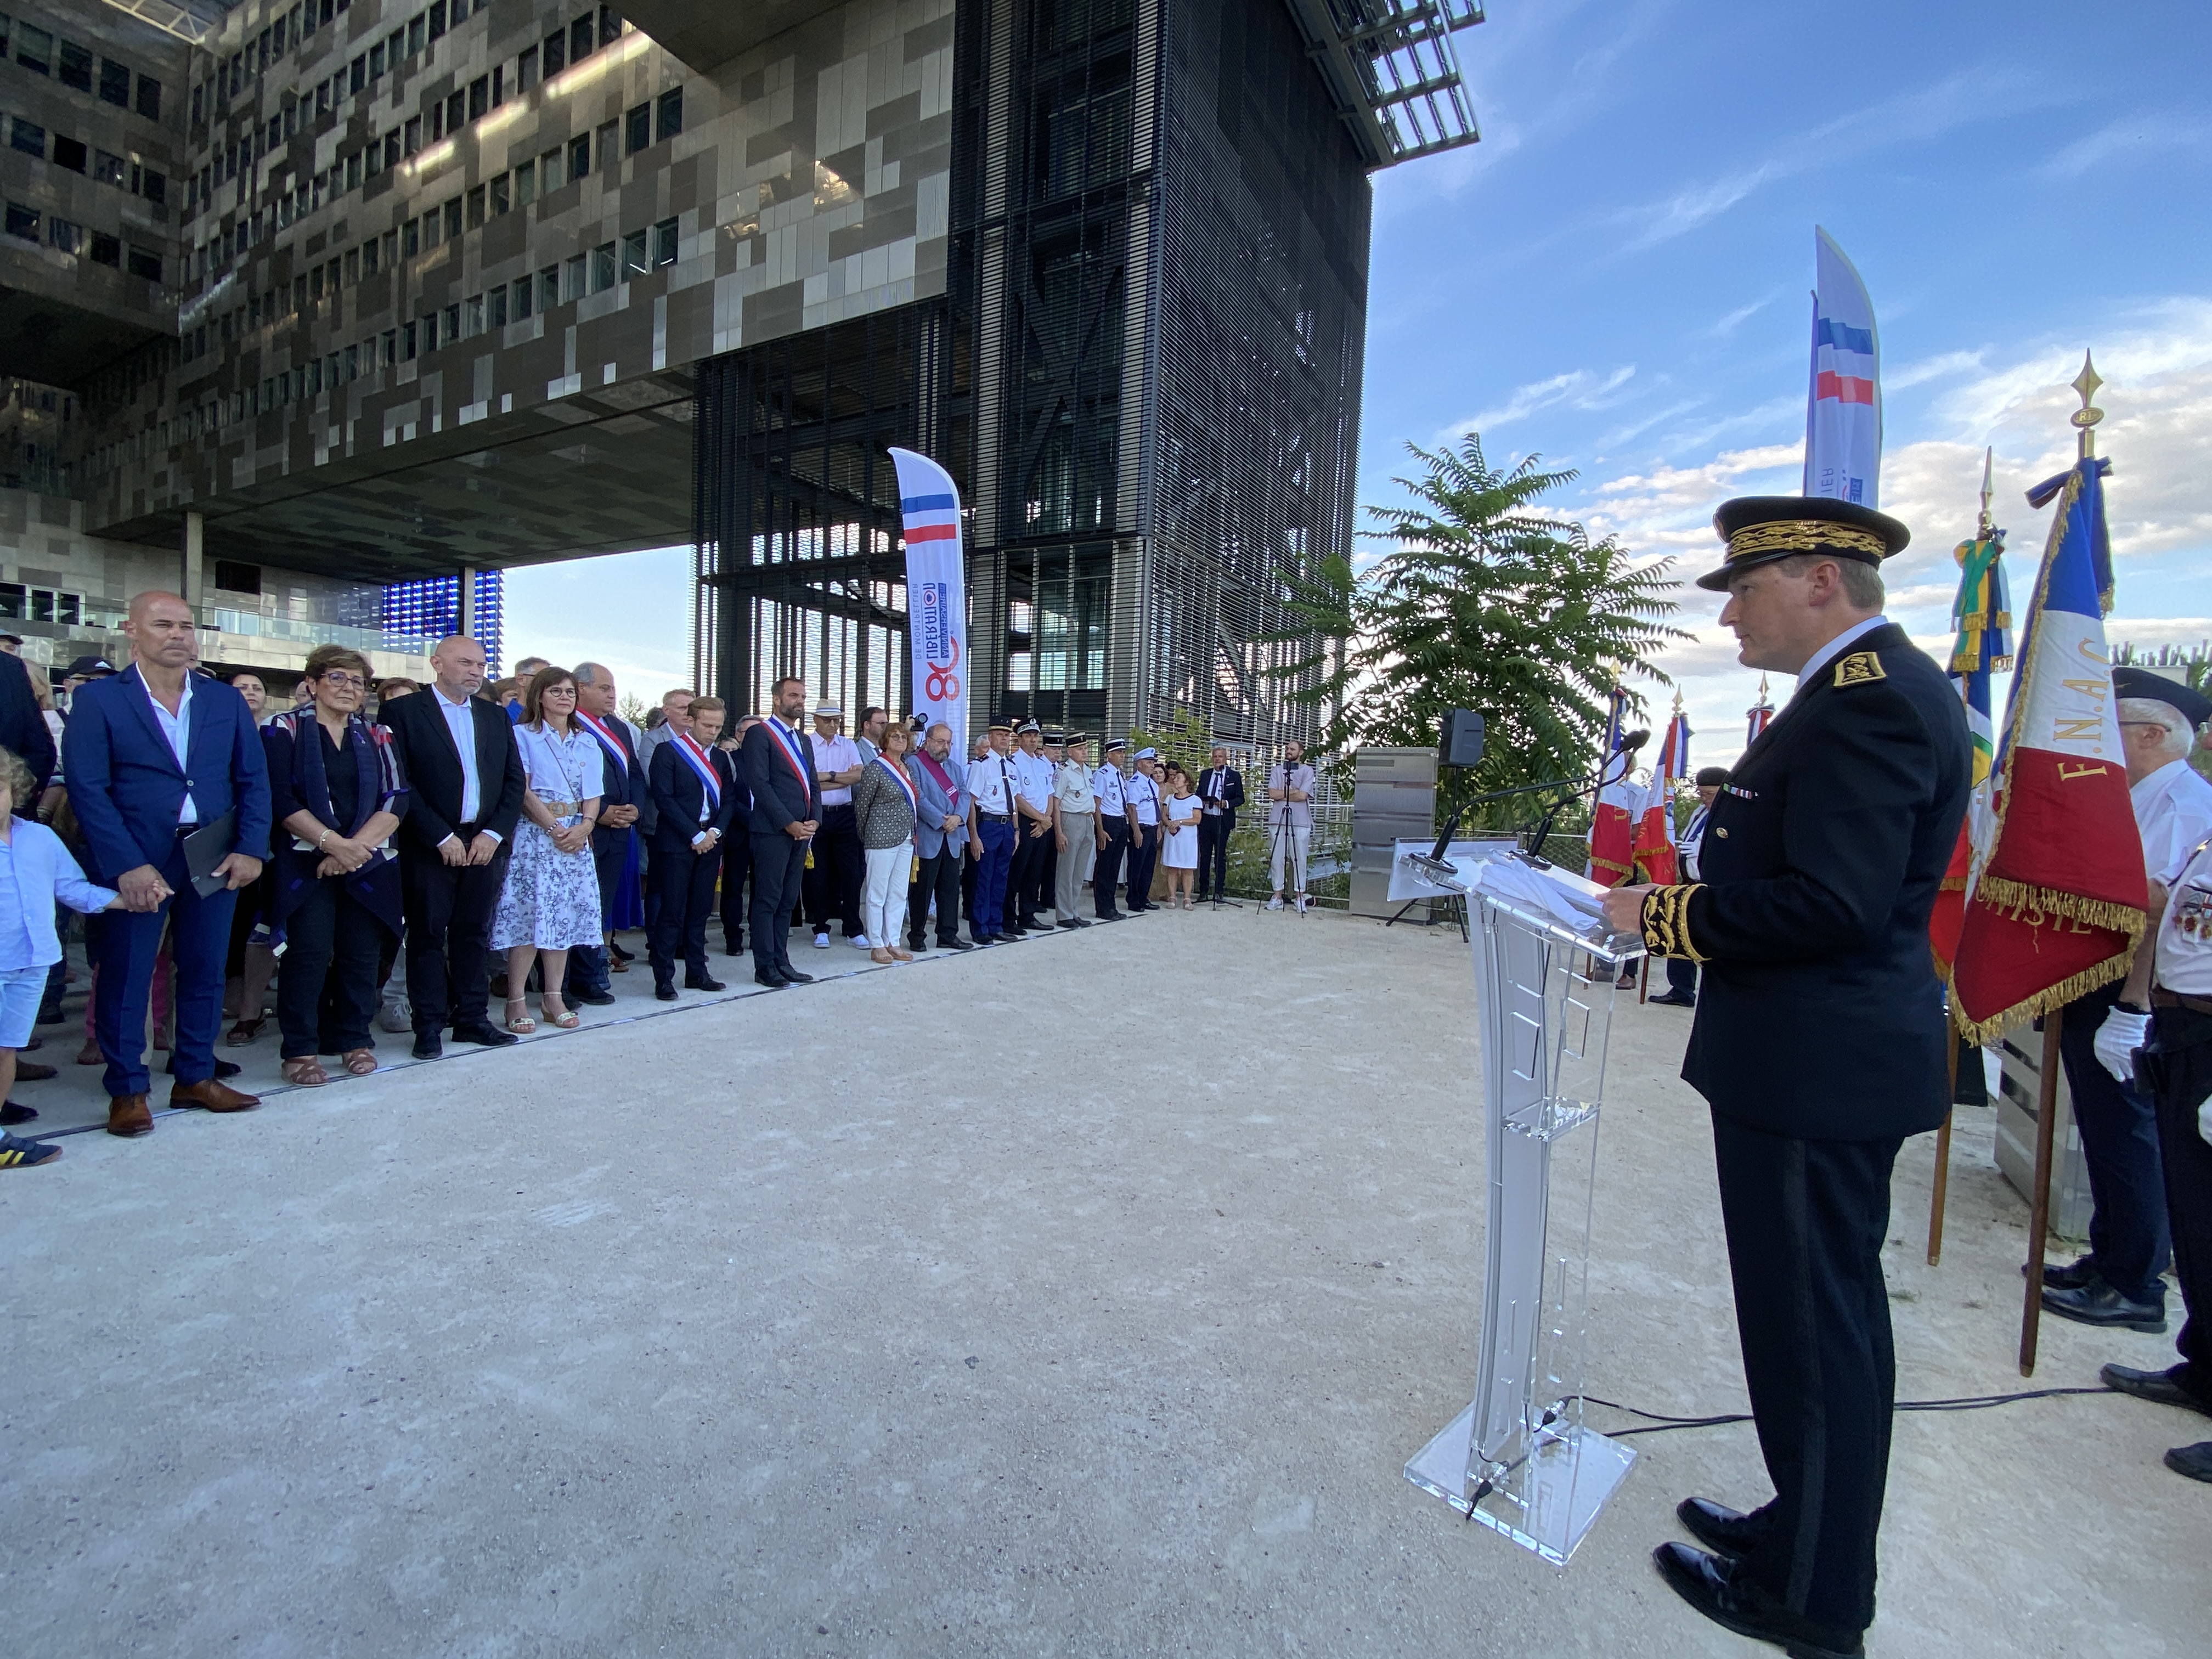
(787, 812)
(941, 783)
(152, 755)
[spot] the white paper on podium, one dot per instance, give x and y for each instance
(1407, 881)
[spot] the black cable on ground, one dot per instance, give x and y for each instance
(1659, 1423)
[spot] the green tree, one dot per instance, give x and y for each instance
(1483, 603)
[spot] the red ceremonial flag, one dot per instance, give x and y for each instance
(1613, 821)
(2058, 903)
(1655, 825)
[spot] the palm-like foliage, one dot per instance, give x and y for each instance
(1484, 604)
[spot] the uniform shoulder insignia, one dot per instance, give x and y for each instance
(1859, 668)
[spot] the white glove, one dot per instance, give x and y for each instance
(2116, 1041)
(2204, 1122)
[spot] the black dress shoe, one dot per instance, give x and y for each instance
(224, 1068)
(2073, 1275)
(1671, 1001)
(11, 1114)
(619, 954)
(792, 977)
(488, 1035)
(956, 945)
(2195, 1461)
(1116, 917)
(428, 1045)
(2163, 1387)
(2101, 1305)
(773, 981)
(1075, 921)
(664, 993)
(702, 982)
(733, 947)
(592, 999)
(1729, 1531)
(1705, 1581)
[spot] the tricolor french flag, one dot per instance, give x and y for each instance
(1843, 406)
(931, 517)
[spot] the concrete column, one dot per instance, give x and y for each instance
(192, 586)
(468, 621)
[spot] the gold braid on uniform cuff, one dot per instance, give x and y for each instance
(1667, 922)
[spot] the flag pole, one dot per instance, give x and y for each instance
(2084, 421)
(1939, 1196)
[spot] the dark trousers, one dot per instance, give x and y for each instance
(332, 939)
(1142, 862)
(129, 943)
(1023, 870)
(587, 963)
(833, 885)
(1805, 1222)
(987, 916)
(1213, 833)
(2128, 1234)
(971, 861)
(737, 864)
(686, 880)
(1682, 976)
(2177, 1066)
(940, 876)
(779, 862)
(1108, 871)
(448, 922)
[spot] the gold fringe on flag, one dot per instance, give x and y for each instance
(2015, 896)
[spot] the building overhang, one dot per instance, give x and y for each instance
(1391, 69)
(705, 34)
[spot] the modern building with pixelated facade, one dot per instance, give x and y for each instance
(327, 311)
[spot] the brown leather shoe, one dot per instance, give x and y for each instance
(128, 1116)
(29, 1071)
(214, 1096)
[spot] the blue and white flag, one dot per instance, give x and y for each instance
(936, 591)
(1842, 405)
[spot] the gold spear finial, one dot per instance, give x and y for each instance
(1988, 459)
(2086, 418)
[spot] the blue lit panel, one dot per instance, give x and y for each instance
(418, 614)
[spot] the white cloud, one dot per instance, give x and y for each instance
(1914, 118)
(1729, 324)
(1580, 389)
(1932, 368)
(2157, 360)
(2130, 138)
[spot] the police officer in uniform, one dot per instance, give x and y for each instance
(992, 794)
(1074, 813)
(2173, 978)
(1114, 823)
(1818, 1043)
(1142, 791)
(1026, 876)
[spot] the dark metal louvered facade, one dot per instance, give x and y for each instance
(1144, 373)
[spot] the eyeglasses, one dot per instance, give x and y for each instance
(339, 680)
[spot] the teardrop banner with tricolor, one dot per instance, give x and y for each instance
(936, 591)
(1842, 403)
(2058, 902)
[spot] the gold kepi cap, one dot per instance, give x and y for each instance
(1761, 529)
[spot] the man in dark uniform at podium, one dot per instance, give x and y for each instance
(1818, 1043)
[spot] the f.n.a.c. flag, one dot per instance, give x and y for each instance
(2057, 901)
(1843, 405)
(936, 591)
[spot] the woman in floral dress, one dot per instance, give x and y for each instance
(550, 902)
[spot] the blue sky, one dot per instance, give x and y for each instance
(1616, 278)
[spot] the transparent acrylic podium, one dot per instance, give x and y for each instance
(1519, 1459)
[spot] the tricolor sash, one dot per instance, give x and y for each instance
(788, 747)
(610, 739)
(912, 799)
(696, 758)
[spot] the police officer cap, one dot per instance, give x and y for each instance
(1711, 777)
(1075, 738)
(1055, 740)
(1112, 746)
(2154, 687)
(1148, 754)
(1001, 723)
(1761, 529)
(1028, 726)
